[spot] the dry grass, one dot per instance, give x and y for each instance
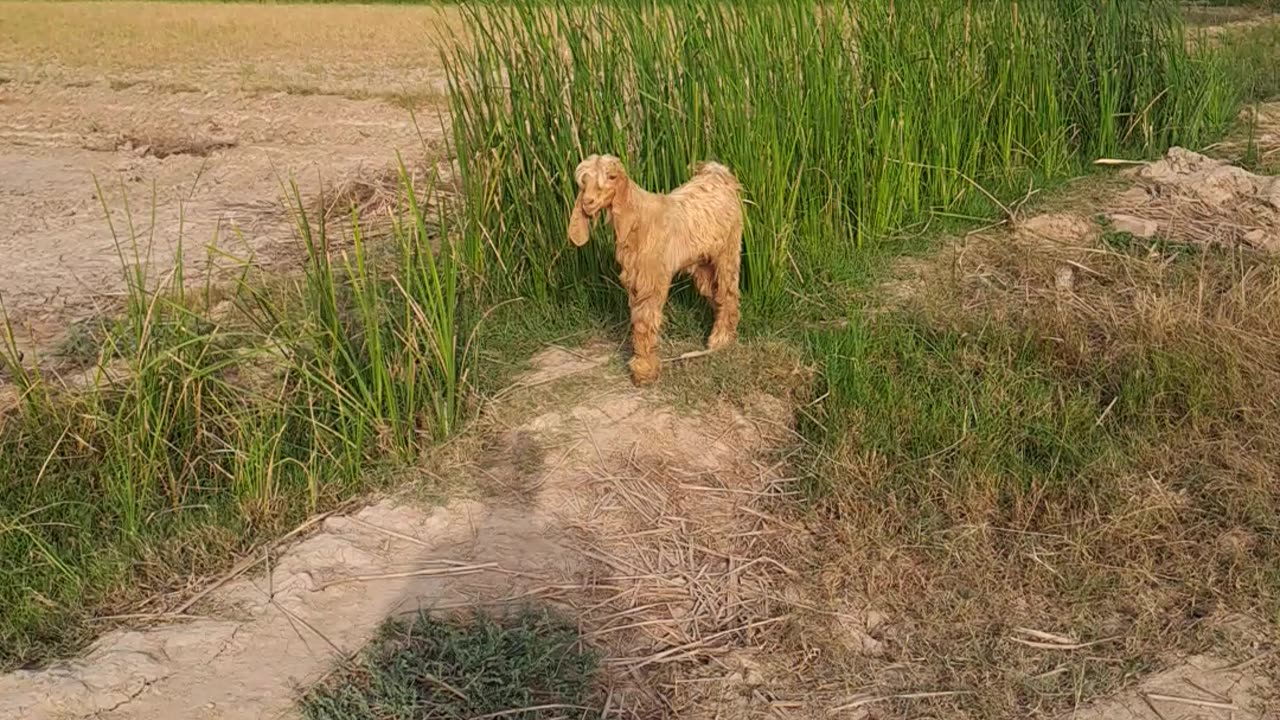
(691, 587)
(1112, 497)
(374, 195)
(143, 34)
(341, 49)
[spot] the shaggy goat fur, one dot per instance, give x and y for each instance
(696, 229)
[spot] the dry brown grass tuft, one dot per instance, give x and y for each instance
(372, 195)
(1030, 592)
(691, 586)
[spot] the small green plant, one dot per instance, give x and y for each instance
(527, 666)
(958, 414)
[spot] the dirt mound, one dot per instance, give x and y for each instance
(651, 524)
(1192, 198)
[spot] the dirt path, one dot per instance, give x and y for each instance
(616, 506)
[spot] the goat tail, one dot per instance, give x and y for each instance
(714, 170)
(711, 167)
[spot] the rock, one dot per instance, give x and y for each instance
(1064, 278)
(876, 620)
(1133, 197)
(1211, 181)
(1063, 228)
(1135, 226)
(1262, 240)
(1273, 194)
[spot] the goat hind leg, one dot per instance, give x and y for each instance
(727, 297)
(704, 278)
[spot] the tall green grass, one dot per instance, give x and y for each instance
(846, 122)
(196, 435)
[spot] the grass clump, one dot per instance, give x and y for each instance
(526, 666)
(958, 414)
(194, 436)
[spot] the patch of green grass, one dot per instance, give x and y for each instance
(955, 413)
(528, 666)
(198, 438)
(1248, 50)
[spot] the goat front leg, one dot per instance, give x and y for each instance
(646, 323)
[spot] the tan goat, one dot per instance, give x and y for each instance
(696, 229)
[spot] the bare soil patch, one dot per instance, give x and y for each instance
(196, 118)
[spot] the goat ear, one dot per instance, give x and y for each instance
(579, 224)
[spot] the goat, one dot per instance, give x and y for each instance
(695, 229)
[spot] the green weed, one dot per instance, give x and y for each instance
(527, 666)
(991, 454)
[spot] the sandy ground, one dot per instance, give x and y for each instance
(199, 114)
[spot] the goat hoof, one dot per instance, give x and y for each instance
(644, 371)
(720, 341)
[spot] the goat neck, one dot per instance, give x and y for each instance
(629, 205)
